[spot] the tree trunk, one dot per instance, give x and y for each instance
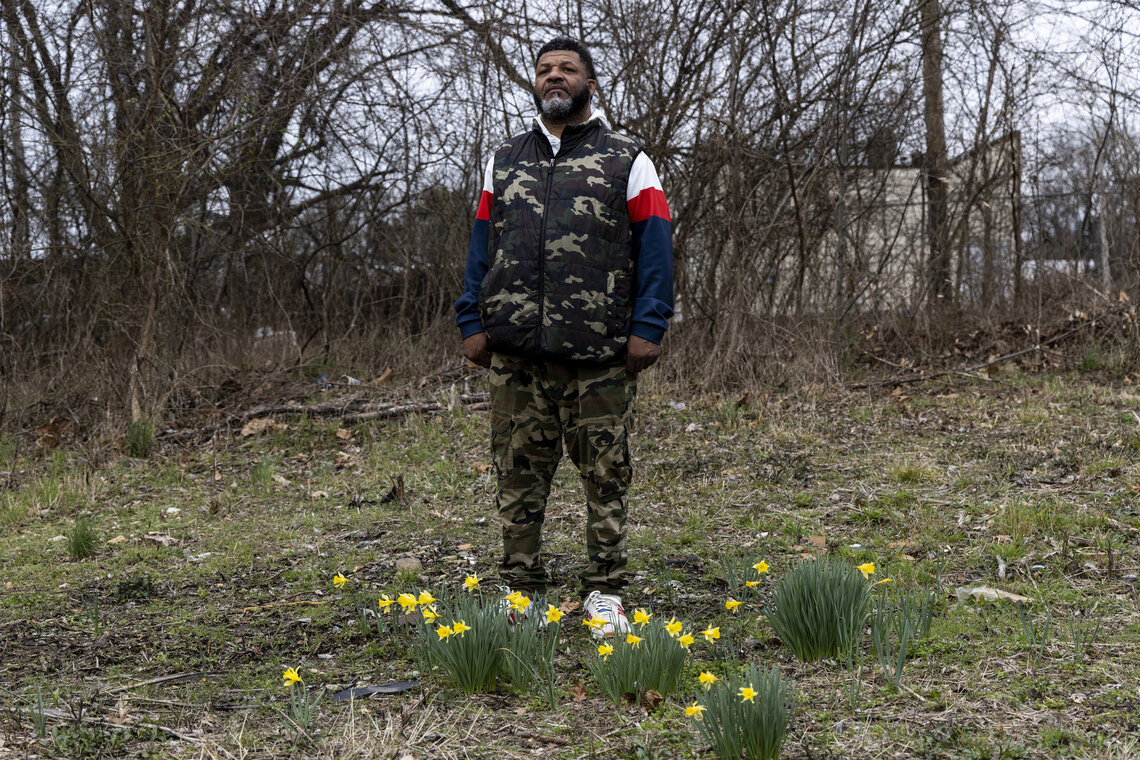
(935, 164)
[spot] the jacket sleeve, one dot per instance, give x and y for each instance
(652, 251)
(467, 307)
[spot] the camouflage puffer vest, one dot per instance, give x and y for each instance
(560, 282)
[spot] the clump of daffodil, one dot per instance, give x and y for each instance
(302, 705)
(533, 641)
(819, 607)
(339, 580)
(649, 659)
(466, 636)
(746, 715)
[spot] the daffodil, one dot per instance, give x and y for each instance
(339, 580)
(443, 631)
(458, 627)
(634, 640)
(884, 580)
(673, 628)
(751, 584)
(471, 582)
(385, 602)
(429, 614)
(761, 567)
(407, 601)
(605, 650)
(425, 598)
(708, 679)
(593, 622)
(641, 617)
(731, 605)
(694, 710)
(291, 676)
(747, 693)
(686, 641)
(868, 569)
(518, 601)
(553, 614)
(711, 634)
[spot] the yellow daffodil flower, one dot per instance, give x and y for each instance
(761, 567)
(673, 628)
(634, 640)
(339, 580)
(553, 614)
(518, 601)
(731, 605)
(444, 631)
(429, 614)
(291, 676)
(605, 650)
(711, 633)
(686, 641)
(459, 627)
(747, 694)
(641, 617)
(407, 601)
(884, 580)
(868, 569)
(425, 598)
(593, 622)
(708, 679)
(694, 710)
(471, 582)
(751, 584)
(385, 602)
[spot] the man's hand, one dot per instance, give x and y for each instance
(475, 349)
(640, 354)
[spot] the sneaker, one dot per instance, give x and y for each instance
(606, 609)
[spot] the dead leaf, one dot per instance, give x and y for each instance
(817, 541)
(319, 494)
(569, 605)
(261, 425)
(344, 434)
(465, 547)
(577, 691)
(986, 594)
(119, 539)
(385, 376)
(651, 699)
(482, 467)
(50, 434)
(162, 539)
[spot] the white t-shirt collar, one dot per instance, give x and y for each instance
(596, 114)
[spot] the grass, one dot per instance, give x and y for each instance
(1037, 471)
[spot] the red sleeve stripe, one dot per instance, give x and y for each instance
(484, 211)
(649, 202)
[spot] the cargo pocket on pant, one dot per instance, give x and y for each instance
(609, 470)
(502, 429)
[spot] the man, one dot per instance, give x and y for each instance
(567, 295)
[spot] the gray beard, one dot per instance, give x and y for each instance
(558, 109)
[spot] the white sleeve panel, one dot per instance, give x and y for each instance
(642, 175)
(489, 173)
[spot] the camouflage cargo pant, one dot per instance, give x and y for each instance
(536, 408)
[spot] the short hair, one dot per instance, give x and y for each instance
(567, 43)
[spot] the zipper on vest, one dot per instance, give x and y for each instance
(542, 255)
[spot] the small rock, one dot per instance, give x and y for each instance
(119, 539)
(57, 539)
(9, 585)
(172, 510)
(408, 564)
(319, 494)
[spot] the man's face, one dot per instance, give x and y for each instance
(561, 87)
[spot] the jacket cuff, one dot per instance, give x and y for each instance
(649, 332)
(473, 327)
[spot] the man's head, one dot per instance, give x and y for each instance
(564, 80)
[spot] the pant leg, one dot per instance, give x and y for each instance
(597, 438)
(526, 445)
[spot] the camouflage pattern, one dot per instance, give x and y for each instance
(536, 408)
(560, 282)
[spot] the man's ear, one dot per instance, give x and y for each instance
(593, 85)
